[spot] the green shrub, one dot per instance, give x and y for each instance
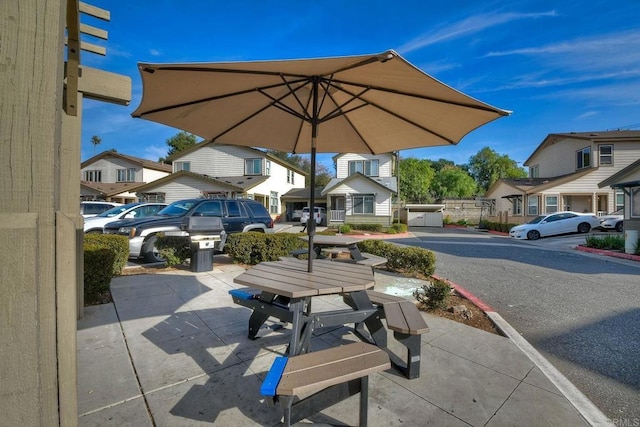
(253, 248)
(462, 222)
(401, 259)
(447, 219)
(174, 249)
(119, 245)
(345, 228)
(433, 295)
(98, 267)
(366, 227)
(607, 242)
(397, 228)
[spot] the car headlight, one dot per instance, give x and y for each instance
(129, 231)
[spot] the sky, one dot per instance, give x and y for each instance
(559, 66)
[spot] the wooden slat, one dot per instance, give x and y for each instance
(284, 276)
(395, 318)
(96, 12)
(380, 298)
(312, 372)
(93, 31)
(291, 291)
(414, 319)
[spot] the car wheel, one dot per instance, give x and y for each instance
(584, 227)
(620, 226)
(94, 231)
(149, 251)
(533, 235)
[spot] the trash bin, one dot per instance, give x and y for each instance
(630, 241)
(204, 233)
(201, 258)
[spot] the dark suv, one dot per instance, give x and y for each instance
(237, 215)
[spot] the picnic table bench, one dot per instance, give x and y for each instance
(407, 324)
(325, 377)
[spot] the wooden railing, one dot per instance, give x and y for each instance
(337, 216)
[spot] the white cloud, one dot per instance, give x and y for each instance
(155, 52)
(471, 25)
(586, 115)
(154, 152)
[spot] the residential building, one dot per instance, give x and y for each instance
(112, 176)
(627, 181)
(211, 170)
(363, 189)
(564, 174)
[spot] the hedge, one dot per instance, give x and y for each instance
(408, 260)
(498, 226)
(253, 248)
(174, 249)
(119, 245)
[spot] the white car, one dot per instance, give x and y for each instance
(555, 223)
(320, 215)
(90, 209)
(612, 221)
(132, 210)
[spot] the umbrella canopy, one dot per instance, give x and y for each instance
(357, 104)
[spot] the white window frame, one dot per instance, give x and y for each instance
(534, 171)
(619, 199)
(605, 159)
(250, 166)
(583, 158)
(634, 195)
(516, 206)
(548, 207)
(181, 166)
(365, 167)
(273, 202)
(361, 201)
(126, 175)
(93, 175)
(532, 205)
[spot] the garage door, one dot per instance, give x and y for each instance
(425, 219)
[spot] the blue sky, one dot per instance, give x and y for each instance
(559, 66)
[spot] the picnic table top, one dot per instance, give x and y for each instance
(290, 278)
(320, 239)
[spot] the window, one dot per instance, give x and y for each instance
(210, 208)
(181, 166)
(583, 158)
(517, 206)
(619, 199)
(605, 155)
(366, 167)
(253, 167)
(93, 175)
(635, 202)
(234, 209)
(550, 204)
(152, 197)
(532, 205)
(290, 177)
(268, 168)
(273, 203)
(534, 171)
(126, 175)
(363, 203)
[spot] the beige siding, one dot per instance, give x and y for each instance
(150, 175)
(219, 160)
(385, 163)
(504, 205)
(185, 188)
(110, 166)
(559, 158)
(382, 201)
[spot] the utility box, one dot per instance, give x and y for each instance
(205, 233)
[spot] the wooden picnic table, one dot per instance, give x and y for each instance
(284, 290)
(351, 243)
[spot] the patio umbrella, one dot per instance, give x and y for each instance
(356, 104)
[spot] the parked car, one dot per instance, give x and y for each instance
(237, 216)
(128, 211)
(90, 209)
(320, 215)
(612, 221)
(555, 223)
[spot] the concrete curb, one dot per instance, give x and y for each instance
(609, 253)
(580, 402)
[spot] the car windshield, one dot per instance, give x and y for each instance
(116, 211)
(177, 208)
(537, 219)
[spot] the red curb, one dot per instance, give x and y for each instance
(379, 236)
(609, 253)
(466, 294)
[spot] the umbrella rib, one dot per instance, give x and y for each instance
(425, 97)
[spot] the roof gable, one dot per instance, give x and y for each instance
(147, 164)
(388, 183)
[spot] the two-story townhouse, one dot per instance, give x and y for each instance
(363, 189)
(211, 169)
(564, 174)
(114, 177)
(627, 181)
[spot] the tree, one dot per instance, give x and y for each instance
(180, 142)
(415, 178)
(487, 166)
(323, 175)
(95, 140)
(453, 182)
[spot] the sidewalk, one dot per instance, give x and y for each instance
(172, 350)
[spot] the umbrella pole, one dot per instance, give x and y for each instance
(311, 228)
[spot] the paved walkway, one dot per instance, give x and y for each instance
(172, 350)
